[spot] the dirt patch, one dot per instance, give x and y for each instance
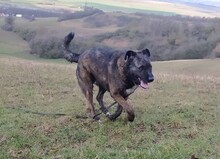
(140, 127)
(2, 139)
(64, 120)
(46, 128)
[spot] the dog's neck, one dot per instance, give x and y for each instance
(121, 66)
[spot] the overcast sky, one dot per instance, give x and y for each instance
(213, 2)
(198, 0)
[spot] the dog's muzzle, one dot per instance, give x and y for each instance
(150, 79)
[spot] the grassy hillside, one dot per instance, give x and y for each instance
(176, 118)
(12, 41)
(122, 5)
(11, 44)
(167, 37)
(47, 27)
(192, 68)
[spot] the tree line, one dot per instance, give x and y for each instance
(167, 37)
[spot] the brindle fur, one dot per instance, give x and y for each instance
(118, 72)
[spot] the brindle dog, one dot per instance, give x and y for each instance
(118, 72)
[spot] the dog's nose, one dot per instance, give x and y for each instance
(150, 79)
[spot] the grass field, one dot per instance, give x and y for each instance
(176, 118)
(13, 45)
(11, 41)
(50, 27)
(151, 6)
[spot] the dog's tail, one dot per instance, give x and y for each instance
(68, 54)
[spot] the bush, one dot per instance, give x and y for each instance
(51, 47)
(100, 20)
(47, 48)
(26, 34)
(9, 24)
(170, 38)
(217, 54)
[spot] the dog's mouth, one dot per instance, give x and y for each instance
(143, 84)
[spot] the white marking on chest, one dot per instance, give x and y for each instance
(131, 90)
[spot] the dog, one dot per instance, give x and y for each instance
(118, 72)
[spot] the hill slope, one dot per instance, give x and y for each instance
(11, 43)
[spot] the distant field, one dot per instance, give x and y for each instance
(176, 118)
(127, 9)
(13, 45)
(122, 5)
(51, 27)
(206, 68)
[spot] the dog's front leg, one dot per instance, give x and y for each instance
(121, 101)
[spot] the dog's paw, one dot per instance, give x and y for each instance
(96, 118)
(131, 118)
(112, 117)
(108, 114)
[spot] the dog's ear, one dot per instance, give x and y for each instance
(146, 52)
(130, 54)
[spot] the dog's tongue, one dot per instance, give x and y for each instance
(144, 85)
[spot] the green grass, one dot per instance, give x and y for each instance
(206, 68)
(12, 45)
(113, 8)
(11, 41)
(176, 118)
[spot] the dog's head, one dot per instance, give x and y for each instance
(139, 68)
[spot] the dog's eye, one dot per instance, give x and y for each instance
(141, 67)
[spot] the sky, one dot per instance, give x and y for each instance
(195, 0)
(199, 0)
(207, 2)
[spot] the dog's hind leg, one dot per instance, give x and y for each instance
(86, 85)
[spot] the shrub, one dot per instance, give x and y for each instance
(47, 48)
(51, 47)
(99, 20)
(9, 23)
(26, 34)
(217, 54)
